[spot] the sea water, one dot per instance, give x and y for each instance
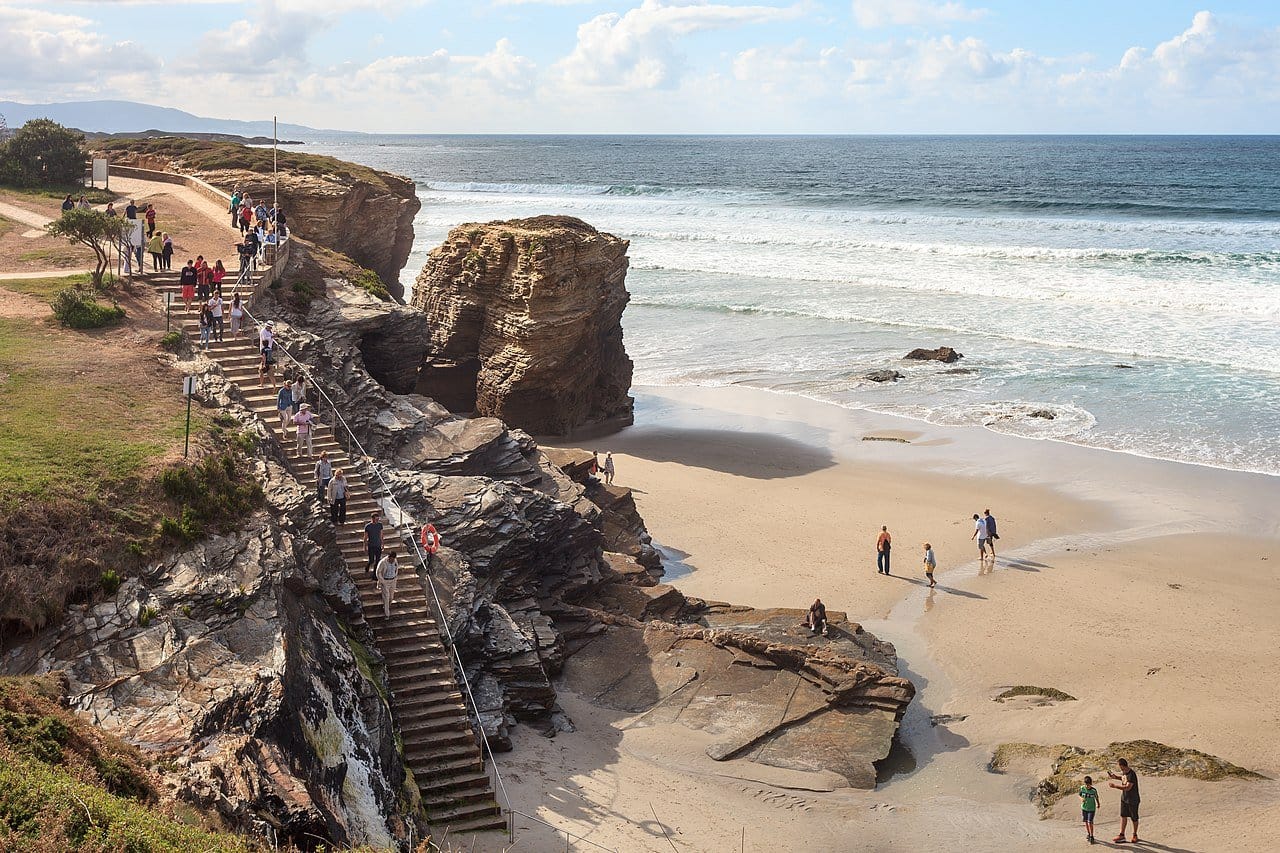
(800, 264)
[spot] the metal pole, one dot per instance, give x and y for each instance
(275, 176)
(186, 445)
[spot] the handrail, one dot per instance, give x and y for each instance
(444, 622)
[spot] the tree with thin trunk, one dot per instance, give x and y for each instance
(93, 229)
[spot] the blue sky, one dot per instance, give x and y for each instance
(845, 66)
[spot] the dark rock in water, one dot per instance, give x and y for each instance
(883, 376)
(959, 371)
(1124, 366)
(946, 719)
(1043, 413)
(943, 354)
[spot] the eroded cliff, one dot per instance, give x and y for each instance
(525, 324)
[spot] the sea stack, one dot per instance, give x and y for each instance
(525, 324)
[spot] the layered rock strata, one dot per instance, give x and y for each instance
(235, 661)
(525, 324)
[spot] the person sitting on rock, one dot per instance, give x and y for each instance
(817, 620)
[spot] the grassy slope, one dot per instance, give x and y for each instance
(66, 786)
(207, 156)
(44, 288)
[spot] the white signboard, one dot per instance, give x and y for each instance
(188, 386)
(134, 235)
(99, 170)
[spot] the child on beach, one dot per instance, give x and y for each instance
(1088, 805)
(930, 563)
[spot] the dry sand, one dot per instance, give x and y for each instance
(1146, 589)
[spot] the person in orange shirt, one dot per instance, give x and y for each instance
(883, 544)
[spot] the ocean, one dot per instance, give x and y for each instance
(800, 264)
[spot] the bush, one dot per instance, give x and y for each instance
(172, 341)
(111, 579)
(42, 153)
(76, 309)
(368, 280)
(211, 493)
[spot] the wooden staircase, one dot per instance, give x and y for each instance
(440, 744)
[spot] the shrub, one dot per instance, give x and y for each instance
(76, 309)
(172, 341)
(42, 153)
(146, 614)
(368, 281)
(211, 493)
(110, 579)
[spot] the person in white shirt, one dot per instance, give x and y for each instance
(303, 425)
(387, 573)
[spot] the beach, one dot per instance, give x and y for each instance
(1144, 589)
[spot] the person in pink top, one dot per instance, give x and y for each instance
(303, 424)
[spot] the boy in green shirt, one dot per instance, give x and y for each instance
(1088, 805)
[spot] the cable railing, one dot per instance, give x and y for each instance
(367, 459)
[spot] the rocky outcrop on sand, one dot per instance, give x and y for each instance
(1061, 767)
(757, 681)
(525, 324)
(363, 213)
(235, 663)
(946, 355)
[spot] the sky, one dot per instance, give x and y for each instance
(664, 66)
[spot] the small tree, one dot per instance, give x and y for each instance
(93, 229)
(42, 153)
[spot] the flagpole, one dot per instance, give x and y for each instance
(275, 177)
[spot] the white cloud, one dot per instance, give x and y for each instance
(639, 49)
(921, 13)
(39, 48)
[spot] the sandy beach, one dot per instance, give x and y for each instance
(1145, 589)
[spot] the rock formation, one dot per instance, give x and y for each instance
(525, 324)
(235, 661)
(946, 355)
(363, 213)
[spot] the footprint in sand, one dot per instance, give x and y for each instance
(774, 798)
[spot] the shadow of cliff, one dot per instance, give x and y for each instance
(758, 455)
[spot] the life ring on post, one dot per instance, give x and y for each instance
(430, 539)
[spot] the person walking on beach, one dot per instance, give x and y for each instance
(1088, 806)
(187, 279)
(980, 533)
(388, 571)
(373, 542)
(237, 315)
(930, 563)
(284, 405)
(337, 494)
(1126, 782)
(166, 251)
(992, 536)
(595, 463)
(884, 543)
(304, 427)
(608, 469)
(324, 473)
(817, 619)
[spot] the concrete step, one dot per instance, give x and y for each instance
(432, 766)
(439, 803)
(497, 823)
(413, 698)
(477, 815)
(444, 784)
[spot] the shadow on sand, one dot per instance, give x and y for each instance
(757, 455)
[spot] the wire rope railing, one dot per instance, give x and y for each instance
(367, 460)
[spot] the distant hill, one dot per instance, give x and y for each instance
(95, 136)
(128, 117)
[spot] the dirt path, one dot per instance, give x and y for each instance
(37, 221)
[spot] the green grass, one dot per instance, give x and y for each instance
(66, 786)
(58, 255)
(95, 195)
(368, 281)
(46, 288)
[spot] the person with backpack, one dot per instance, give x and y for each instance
(388, 571)
(992, 536)
(884, 542)
(235, 208)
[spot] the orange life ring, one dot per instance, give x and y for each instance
(430, 539)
